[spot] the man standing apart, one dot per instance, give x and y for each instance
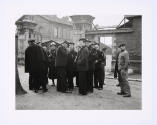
(123, 62)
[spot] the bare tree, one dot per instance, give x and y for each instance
(19, 89)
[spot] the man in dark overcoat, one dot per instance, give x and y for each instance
(34, 57)
(52, 69)
(91, 67)
(82, 68)
(61, 63)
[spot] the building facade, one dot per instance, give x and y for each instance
(81, 24)
(129, 31)
(45, 28)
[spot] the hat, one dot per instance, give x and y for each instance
(71, 43)
(94, 43)
(119, 45)
(84, 40)
(38, 42)
(54, 43)
(123, 44)
(104, 49)
(66, 42)
(31, 40)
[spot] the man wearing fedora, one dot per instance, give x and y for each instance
(34, 58)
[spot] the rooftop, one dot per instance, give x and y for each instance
(54, 18)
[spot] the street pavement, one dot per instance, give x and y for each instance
(105, 99)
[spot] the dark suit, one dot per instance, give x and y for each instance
(70, 68)
(52, 69)
(82, 68)
(91, 67)
(99, 74)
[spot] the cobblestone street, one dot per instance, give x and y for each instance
(105, 99)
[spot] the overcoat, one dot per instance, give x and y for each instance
(34, 57)
(61, 57)
(82, 60)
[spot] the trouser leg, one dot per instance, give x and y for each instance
(90, 81)
(61, 80)
(31, 84)
(125, 83)
(44, 81)
(70, 79)
(37, 82)
(77, 79)
(96, 78)
(83, 82)
(101, 78)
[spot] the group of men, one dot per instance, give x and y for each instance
(63, 62)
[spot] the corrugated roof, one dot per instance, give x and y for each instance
(132, 16)
(54, 18)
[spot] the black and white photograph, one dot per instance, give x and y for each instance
(71, 59)
(78, 62)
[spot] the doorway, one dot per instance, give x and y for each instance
(107, 42)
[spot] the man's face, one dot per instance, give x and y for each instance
(118, 49)
(29, 43)
(81, 43)
(52, 47)
(65, 45)
(44, 47)
(87, 43)
(71, 47)
(96, 47)
(122, 48)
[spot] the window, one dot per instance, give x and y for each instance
(64, 33)
(59, 32)
(21, 44)
(55, 32)
(106, 40)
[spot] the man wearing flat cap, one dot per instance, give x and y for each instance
(123, 63)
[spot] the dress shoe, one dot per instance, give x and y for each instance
(67, 91)
(127, 95)
(100, 88)
(45, 90)
(118, 85)
(36, 91)
(83, 93)
(120, 93)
